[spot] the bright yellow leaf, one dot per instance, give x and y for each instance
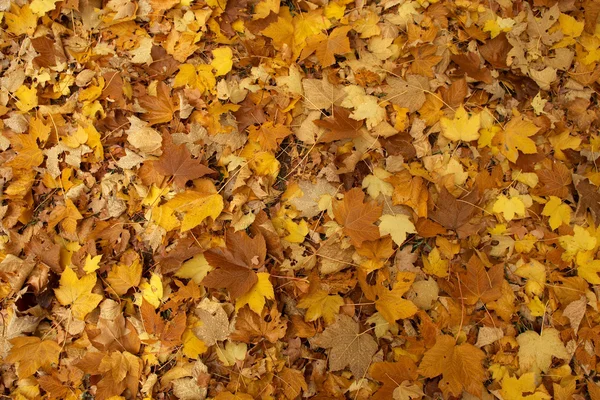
(509, 207)
(434, 264)
(515, 389)
(152, 291)
(196, 268)
(27, 98)
(296, 231)
(562, 142)
(515, 137)
(321, 304)
(558, 212)
(77, 293)
(123, 277)
(461, 127)
(397, 226)
(222, 60)
(535, 273)
(41, 7)
(580, 241)
(196, 207)
(92, 263)
(390, 303)
(589, 271)
(256, 297)
(20, 21)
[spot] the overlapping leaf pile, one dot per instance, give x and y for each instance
(265, 199)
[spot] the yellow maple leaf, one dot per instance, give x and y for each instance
(196, 207)
(192, 345)
(509, 207)
(589, 271)
(536, 351)
(296, 231)
(20, 21)
(321, 304)
(222, 60)
(256, 297)
(558, 212)
(27, 98)
(123, 277)
(515, 137)
(92, 263)
(461, 127)
(513, 388)
(562, 142)
(32, 353)
(41, 7)
(397, 226)
(195, 269)
(580, 241)
(390, 303)
(434, 264)
(152, 291)
(77, 293)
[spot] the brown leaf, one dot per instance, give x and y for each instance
(457, 92)
(252, 328)
(357, 217)
(555, 179)
(349, 348)
(453, 213)
(460, 366)
(236, 263)
(339, 126)
(495, 51)
(176, 161)
(480, 284)
(292, 383)
(170, 332)
(391, 375)
(589, 199)
(215, 325)
(470, 64)
(159, 108)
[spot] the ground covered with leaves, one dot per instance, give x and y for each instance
(265, 199)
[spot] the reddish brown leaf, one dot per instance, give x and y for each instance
(357, 217)
(176, 161)
(339, 126)
(453, 213)
(589, 199)
(236, 263)
(391, 375)
(159, 108)
(555, 179)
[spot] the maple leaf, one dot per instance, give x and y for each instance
(589, 199)
(357, 217)
(256, 297)
(77, 293)
(460, 366)
(391, 375)
(409, 93)
(536, 351)
(348, 346)
(170, 332)
(327, 46)
(397, 226)
(268, 134)
(555, 179)
(453, 213)
(424, 60)
(477, 283)
(236, 263)
(339, 126)
(461, 127)
(215, 325)
(293, 382)
(320, 304)
(123, 277)
(176, 161)
(32, 353)
(515, 137)
(390, 303)
(159, 108)
(251, 327)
